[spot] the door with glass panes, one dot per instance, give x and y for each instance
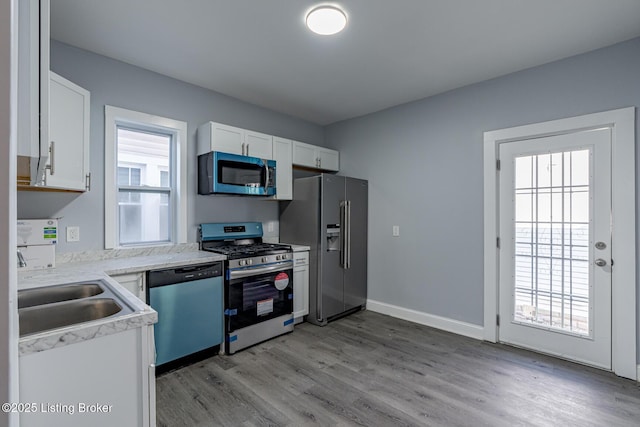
(555, 252)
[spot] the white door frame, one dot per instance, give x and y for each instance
(623, 198)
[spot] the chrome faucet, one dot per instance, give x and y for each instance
(21, 261)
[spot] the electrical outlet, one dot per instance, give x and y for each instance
(396, 231)
(73, 234)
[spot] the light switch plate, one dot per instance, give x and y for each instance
(73, 234)
(396, 231)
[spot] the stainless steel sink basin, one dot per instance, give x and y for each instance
(51, 316)
(52, 307)
(51, 294)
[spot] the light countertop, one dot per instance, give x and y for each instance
(101, 267)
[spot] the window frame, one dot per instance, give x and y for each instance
(120, 117)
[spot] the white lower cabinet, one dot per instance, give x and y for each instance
(134, 283)
(300, 285)
(106, 381)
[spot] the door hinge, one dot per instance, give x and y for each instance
(87, 181)
(497, 320)
(498, 242)
(498, 164)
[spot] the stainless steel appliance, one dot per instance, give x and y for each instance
(329, 214)
(189, 304)
(233, 174)
(258, 285)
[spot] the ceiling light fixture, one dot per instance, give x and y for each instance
(326, 20)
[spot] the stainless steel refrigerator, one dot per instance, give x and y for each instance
(328, 213)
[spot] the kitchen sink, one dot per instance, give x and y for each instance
(51, 294)
(51, 316)
(51, 307)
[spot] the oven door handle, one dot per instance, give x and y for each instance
(254, 271)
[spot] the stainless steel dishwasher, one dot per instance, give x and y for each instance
(189, 303)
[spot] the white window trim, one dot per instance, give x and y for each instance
(114, 116)
(623, 184)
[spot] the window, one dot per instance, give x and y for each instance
(145, 179)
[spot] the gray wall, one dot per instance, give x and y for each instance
(119, 84)
(424, 164)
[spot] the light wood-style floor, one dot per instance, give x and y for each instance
(373, 370)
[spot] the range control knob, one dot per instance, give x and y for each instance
(278, 257)
(249, 261)
(242, 262)
(284, 256)
(265, 259)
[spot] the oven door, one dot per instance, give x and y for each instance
(256, 294)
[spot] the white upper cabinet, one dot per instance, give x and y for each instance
(304, 154)
(258, 145)
(328, 159)
(314, 157)
(68, 164)
(219, 137)
(229, 139)
(282, 154)
(33, 90)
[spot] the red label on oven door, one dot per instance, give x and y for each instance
(281, 281)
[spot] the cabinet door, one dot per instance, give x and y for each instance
(134, 283)
(300, 284)
(33, 90)
(328, 159)
(282, 154)
(106, 370)
(304, 155)
(68, 163)
(258, 145)
(218, 137)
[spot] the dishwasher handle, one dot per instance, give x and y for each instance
(183, 274)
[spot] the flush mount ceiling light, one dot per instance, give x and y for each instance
(326, 20)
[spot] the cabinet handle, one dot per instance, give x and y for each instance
(52, 160)
(87, 183)
(243, 149)
(247, 149)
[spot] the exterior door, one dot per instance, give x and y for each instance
(555, 245)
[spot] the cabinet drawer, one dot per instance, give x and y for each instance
(300, 258)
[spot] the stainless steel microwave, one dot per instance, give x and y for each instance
(225, 173)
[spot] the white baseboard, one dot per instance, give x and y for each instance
(461, 328)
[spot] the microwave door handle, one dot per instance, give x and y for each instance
(266, 176)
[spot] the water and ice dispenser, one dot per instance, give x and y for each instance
(333, 237)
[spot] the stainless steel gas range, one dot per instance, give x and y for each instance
(258, 285)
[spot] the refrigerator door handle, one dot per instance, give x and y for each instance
(343, 234)
(348, 234)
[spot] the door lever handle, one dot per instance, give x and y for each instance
(600, 262)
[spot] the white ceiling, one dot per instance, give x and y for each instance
(391, 52)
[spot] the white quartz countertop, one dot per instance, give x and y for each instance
(101, 269)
